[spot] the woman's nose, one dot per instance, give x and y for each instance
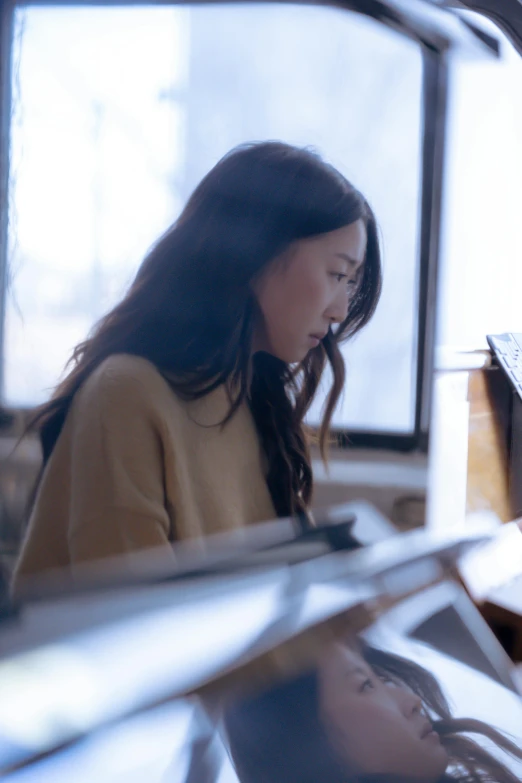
(338, 309)
(411, 704)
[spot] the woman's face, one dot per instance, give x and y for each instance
(308, 289)
(377, 725)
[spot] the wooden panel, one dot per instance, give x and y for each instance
(488, 455)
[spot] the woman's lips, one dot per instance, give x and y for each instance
(316, 338)
(428, 732)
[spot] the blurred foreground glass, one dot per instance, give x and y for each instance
(382, 709)
(119, 112)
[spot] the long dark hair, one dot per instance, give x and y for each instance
(279, 737)
(191, 310)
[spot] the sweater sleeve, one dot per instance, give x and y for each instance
(117, 495)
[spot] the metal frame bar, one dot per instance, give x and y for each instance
(506, 14)
(435, 116)
(426, 23)
(6, 47)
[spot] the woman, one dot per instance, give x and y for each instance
(183, 412)
(363, 716)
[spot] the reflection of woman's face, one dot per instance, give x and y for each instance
(377, 725)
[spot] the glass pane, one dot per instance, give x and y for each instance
(119, 112)
(481, 273)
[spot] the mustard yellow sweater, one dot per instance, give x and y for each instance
(136, 467)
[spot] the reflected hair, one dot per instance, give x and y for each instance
(191, 310)
(278, 736)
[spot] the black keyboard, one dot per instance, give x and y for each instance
(507, 349)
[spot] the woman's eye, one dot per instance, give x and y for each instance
(339, 276)
(367, 685)
(389, 681)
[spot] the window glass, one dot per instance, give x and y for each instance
(119, 112)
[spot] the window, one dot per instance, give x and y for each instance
(481, 276)
(118, 113)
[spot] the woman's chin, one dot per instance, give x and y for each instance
(289, 355)
(439, 760)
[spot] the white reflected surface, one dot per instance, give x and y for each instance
(142, 749)
(99, 675)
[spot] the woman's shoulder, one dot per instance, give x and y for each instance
(123, 381)
(124, 385)
(123, 369)
(126, 367)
